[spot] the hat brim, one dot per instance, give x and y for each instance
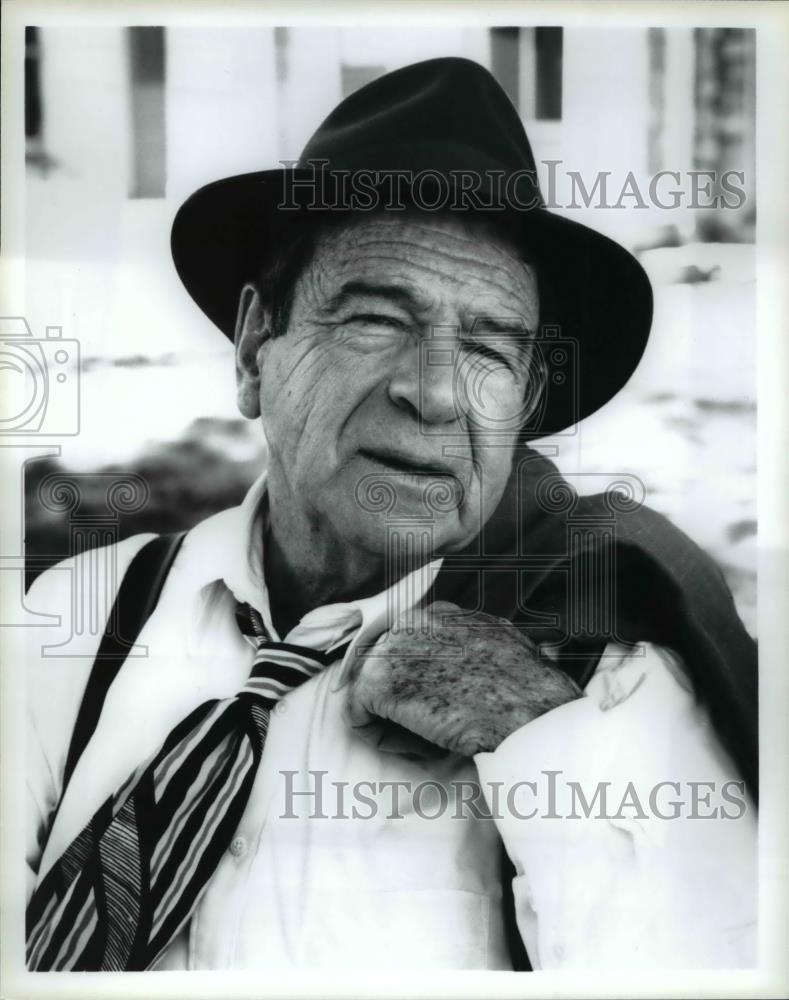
(596, 299)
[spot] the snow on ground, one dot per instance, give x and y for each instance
(686, 422)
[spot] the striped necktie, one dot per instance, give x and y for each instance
(132, 878)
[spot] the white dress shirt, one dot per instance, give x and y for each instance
(380, 875)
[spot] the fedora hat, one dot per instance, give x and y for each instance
(446, 125)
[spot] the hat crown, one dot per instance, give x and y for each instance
(440, 114)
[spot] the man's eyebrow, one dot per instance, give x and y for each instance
(498, 324)
(353, 289)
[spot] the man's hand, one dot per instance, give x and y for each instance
(462, 682)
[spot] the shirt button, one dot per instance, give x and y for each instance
(280, 707)
(238, 847)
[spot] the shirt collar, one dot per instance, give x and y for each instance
(231, 551)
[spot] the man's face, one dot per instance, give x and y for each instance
(400, 382)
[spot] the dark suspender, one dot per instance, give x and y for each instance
(137, 597)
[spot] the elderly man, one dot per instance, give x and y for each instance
(370, 675)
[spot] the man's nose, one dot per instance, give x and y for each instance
(424, 382)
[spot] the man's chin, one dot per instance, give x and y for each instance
(412, 535)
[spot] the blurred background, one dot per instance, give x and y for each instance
(123, 123)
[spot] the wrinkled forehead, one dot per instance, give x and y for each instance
(468, 234)
(435, 254)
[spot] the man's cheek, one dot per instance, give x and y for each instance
(290, 398)
(323, 411)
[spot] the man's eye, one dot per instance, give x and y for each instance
(376, 319)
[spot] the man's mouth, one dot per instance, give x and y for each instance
(408, 464)
(435, 483)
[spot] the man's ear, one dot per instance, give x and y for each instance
(253, 329)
